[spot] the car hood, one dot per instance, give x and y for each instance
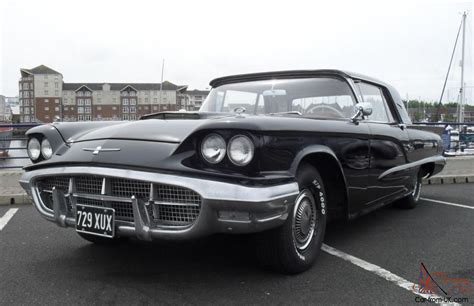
(177, 130)
(171, 131)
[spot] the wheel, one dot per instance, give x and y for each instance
(100, 240)
(294, 247)
(411, 200)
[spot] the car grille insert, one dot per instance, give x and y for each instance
(167, 205)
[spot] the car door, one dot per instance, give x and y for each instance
(386, 143)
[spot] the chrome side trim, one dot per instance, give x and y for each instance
(439, 160)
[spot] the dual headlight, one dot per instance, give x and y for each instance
(36, 149)
(240, 149)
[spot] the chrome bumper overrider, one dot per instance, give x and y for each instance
(224, 207)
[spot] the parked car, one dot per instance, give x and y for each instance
(277, 154)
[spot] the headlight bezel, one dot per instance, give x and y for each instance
(34, 158)
(252, 150)
(222, 155)
(44, 143)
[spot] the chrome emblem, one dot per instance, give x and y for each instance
(99, 149)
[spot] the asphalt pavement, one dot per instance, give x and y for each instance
(41, 263)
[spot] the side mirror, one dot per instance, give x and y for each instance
(361, 110)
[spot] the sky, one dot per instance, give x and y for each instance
(405, 43)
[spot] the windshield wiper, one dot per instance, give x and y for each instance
(287, 113)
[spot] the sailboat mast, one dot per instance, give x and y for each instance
(461, 91)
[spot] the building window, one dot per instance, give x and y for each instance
(133, 102)
(133, 109)
(133, 117)
(87, 101)
(146, 107)
(125, 117)
(125, 109)
(99, 100)
(124, 93)
(133, 94)
(114, 100)
(114, 107)
(155, 100)
(66, 108)
(46, 117)
(88, 94)
(80, 109)
(56, 109)
(45, 84)
(146, 100)
(99, 108)
(56, 101)
(88, 109)
(125, 102)
(87, 117)
(56, 85)
(80, 101)
(46, 93)
(80, 118)
(46, 100)
(46, 108)
(155, 108)
(26, 94)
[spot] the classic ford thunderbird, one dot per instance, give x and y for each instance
(275, 154)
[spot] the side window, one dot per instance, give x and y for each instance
(374, 95)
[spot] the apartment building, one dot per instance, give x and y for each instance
(191, 100)
(44, 96)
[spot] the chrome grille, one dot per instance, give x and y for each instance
(88, 184)
(166, 204)
(177, 214)
(60, 182)
(127, 188)
(174, 194)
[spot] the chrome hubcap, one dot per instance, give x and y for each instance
(304, 220)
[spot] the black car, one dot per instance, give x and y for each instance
(277, 154)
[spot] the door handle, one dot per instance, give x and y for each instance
(402, 126)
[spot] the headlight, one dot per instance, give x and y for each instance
(213, 148)
(34, 149)
(46, 149)
(240, 150)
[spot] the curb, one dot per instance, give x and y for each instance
(449, 179)
(11, 199)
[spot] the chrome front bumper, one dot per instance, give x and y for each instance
(225, 207)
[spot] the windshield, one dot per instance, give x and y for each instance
(314, 97)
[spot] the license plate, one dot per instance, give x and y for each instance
(95, 220)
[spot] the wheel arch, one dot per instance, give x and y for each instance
(326, 162)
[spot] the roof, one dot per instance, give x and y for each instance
(41, 69)
(290, 74)
(197, 92)
(119, 86)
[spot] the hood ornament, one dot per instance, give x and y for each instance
(99, 149)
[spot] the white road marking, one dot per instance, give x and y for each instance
(385, 274)
(8, 215)
(447, 203)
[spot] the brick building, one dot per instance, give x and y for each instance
(44, 96)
